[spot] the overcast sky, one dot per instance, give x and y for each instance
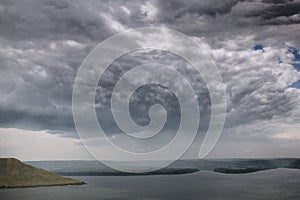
(255, 44)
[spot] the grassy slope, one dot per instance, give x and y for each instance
(14, 173)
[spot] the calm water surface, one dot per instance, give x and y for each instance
(278, 184)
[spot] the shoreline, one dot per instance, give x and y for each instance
(47, 185)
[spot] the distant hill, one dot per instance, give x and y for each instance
(238, 170)
(14, 173)
(96, 168)
(295, 164)
(165, 171)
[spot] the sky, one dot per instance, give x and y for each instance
(255, 45)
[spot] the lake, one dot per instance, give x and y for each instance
(274, 184)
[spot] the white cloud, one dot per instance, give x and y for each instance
(149, 11)
(39, 145)
(288, 135)
(126, 10)
(110, 21)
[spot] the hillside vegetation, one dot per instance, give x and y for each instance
(14, 173)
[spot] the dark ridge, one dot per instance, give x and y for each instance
(239, 170)
(167, 171)
(294, 164)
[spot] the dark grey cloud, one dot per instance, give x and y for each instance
(222, 20)
(150, 94)
(276, 1)
(51, 20)
(278, 12)
(170, 11)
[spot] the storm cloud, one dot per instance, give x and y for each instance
(255, 45)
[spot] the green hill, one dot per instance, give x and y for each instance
(14, 173)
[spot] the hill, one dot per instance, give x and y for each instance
(14, 173)
(295, 164)
(95, 168)
(238, 170)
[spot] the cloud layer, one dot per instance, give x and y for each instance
(255, 44)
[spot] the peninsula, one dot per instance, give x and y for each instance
(14, 173)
